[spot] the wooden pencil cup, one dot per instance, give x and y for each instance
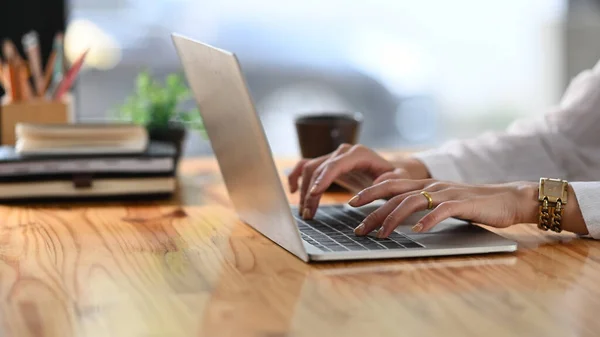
(38, 111)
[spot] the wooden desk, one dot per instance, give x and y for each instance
(161, 269)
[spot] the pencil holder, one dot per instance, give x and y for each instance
(39, 111)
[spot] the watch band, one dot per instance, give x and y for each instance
(552, 197)
(551, 216)
(557, 213)
(544, 217)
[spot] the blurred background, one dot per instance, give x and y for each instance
(421, 72)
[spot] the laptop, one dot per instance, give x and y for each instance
(257, 193)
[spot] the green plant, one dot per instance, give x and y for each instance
(158, 105)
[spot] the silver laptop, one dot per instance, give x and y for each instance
(246, 163)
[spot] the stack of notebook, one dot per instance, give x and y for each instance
(82, 161)
(80, 139)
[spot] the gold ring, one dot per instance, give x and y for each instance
(429, 199)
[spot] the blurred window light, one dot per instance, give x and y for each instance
(83, 35)
(420, 71)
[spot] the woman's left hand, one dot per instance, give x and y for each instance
(500, 205)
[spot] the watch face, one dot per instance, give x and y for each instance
(553, 188)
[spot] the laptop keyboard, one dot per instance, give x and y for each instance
(332, 230)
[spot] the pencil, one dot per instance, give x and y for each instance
(58, 66)
(6, 79)
(25, 86)
(31, 45)
(67, 82)
(14, 80)
(8, 50)
(11, 76)
(49, 70)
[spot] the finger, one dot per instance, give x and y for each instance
(463, 209)
(376, 218)
(295, 175)
(311, 200)
(395, 174)
(298, 169)
(350, 158)
(410, 205)
(390, 188)
(307, 172)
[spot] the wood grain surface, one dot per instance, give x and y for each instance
(188, 267)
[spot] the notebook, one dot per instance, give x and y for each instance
(150, 173)
(156, 158)
(87, 138)
(98, 187)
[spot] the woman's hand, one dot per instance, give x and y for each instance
(500, 205)
(319, 173)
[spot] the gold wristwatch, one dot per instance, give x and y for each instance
(553, 198)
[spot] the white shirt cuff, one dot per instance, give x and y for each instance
(440, 165)
(588, 197)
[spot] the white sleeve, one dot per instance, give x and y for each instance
(494, 158)
(563, 143)
(588, 198)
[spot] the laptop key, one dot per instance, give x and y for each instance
(391, 245)
(374, 246)
(338, 248)
(328, 231)
(347, 215)
(340, 227)
(355, 246)
(412, 244)
(343, 239)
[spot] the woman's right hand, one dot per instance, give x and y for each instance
(319, 173)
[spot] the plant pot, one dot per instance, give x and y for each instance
(174, 134)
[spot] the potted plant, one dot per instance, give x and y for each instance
(157, 106)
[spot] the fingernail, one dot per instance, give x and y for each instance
(417, 228)
(380, 233)
(354, 200)
(313, 189)
(306, 214)
(359, 229)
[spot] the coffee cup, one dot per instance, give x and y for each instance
(322, 133)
